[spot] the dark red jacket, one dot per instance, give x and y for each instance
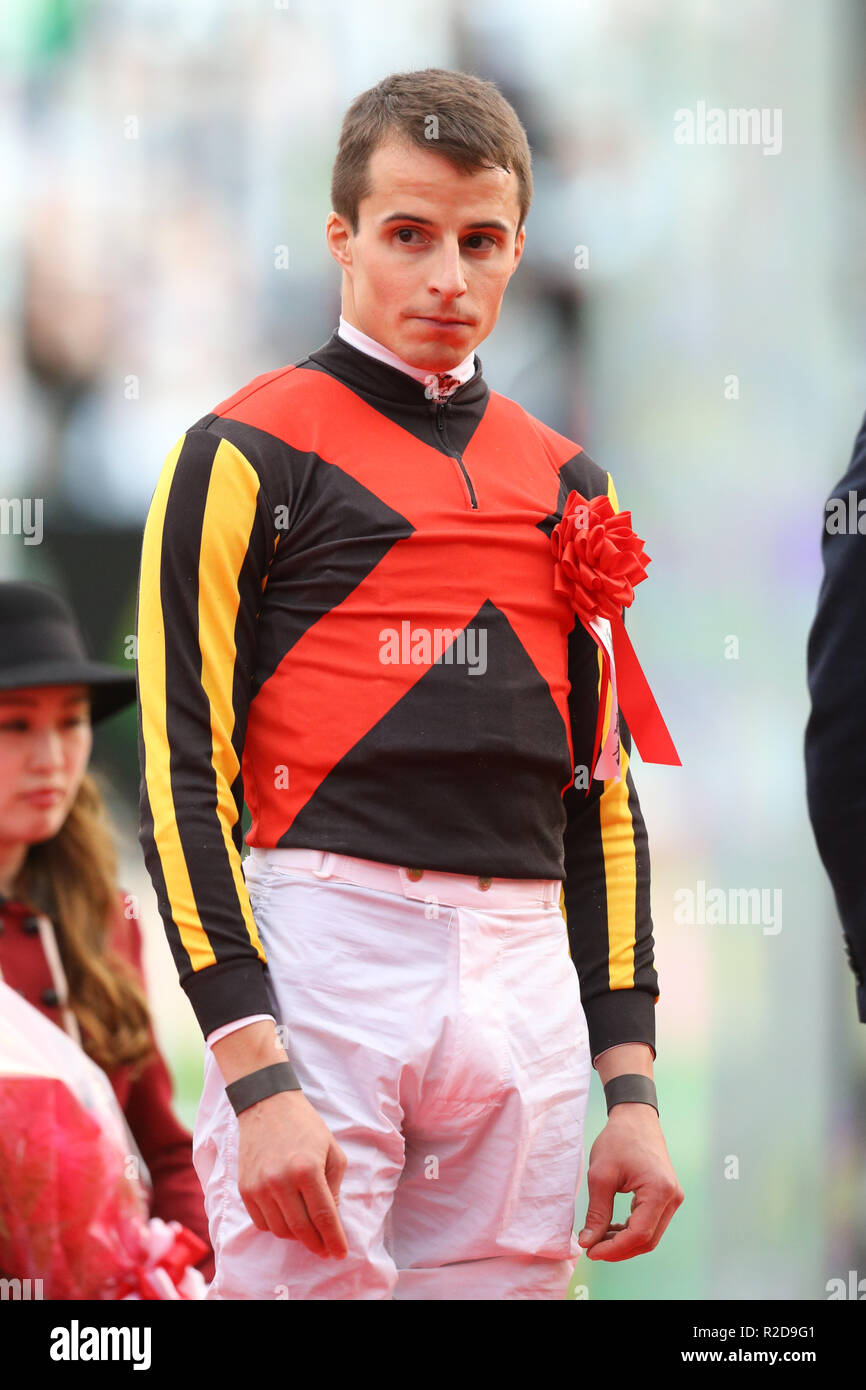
(165, 1145)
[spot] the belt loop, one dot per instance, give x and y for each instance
(326, 856)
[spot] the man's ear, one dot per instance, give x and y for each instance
(519, 241)
(337, 235)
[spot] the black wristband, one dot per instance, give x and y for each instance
(258, 1085)
(630, 1087)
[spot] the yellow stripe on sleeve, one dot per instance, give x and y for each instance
(228, 521)
(620, 859)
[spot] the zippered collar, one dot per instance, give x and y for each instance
(393, 391)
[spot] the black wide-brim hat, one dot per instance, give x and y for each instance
(41, 644)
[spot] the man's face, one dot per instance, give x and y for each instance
(432, 244)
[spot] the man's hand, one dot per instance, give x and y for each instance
(629, 1155)
(289, 1172)
(290, 1166)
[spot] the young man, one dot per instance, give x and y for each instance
(347, 617)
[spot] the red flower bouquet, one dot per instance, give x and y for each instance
(73, 1209)
(598, 560)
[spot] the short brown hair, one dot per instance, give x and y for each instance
(475, 128)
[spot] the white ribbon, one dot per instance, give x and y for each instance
(608, 765)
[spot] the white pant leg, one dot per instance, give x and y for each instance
(494, 1140)
(254, 1264)
(355, 976)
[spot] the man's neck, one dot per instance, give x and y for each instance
(462, 372)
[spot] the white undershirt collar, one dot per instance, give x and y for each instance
(462, 372)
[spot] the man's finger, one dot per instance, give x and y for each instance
(335, 1167)
(637, 1237)
(666, 1218)
(287, 1219)
(602, 1185)
(322, 1208)
(273, 1216)
(612, 1229)
(255, 1213)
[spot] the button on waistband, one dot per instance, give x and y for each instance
(483, 882)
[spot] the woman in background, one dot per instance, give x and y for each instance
(70, 940)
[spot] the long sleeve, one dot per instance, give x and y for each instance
(208, 541)
(835, 752)
(606, 889)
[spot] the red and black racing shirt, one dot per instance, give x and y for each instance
(346, 618)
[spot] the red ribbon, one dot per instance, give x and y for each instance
(599, 560)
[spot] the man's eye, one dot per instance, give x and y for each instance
(475, 237)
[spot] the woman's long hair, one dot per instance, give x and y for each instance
(73, 879)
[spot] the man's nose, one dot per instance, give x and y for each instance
(448, 277)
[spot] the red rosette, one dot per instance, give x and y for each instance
(598, 561)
